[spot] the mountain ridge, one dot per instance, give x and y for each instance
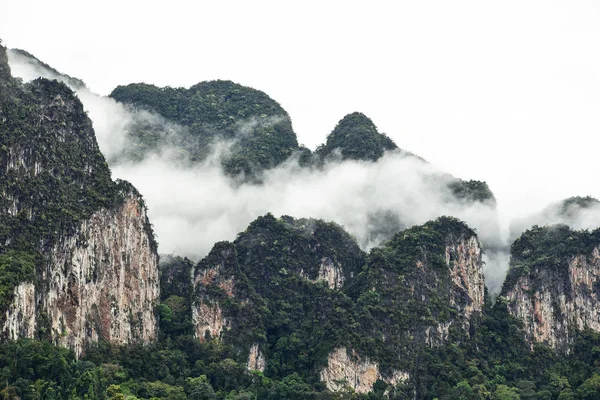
(289, 308)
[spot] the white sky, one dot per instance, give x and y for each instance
(507, 92)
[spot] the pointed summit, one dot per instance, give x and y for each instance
(357, 137)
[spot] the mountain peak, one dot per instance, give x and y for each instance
(357, 138)
(211, 111)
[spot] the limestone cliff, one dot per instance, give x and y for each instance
(463, 260)
(553, 284)
(287, 288)
(314, 251)
(279, 283)
(100, 282)
(256, 359)
(80, 251)
(214, 282)
(330, 272)
(346, 369)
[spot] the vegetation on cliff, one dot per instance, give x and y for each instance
(472, 191)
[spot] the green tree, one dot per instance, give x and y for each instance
(504, 392)
(590, 389)
(199, 388)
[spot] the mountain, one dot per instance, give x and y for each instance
(256, 130)
(552, 284)
(356, 137)
(77, 253)
(256, 127)
(290, 308)
(293, 295)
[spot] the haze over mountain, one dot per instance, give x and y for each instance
(357, 270)
(441, 79)
(176, 166)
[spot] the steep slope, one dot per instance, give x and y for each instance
(299, 295)
(259, 128)
(356, 138)
(277, 294)
(18, 58)
(77, 252)
(422, 288)
(553, 283)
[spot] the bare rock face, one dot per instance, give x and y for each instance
(20, 316)
(208, 317)
(330, 272)
(99, 283)
(256, 359)
(552, 302)
(213, 283)
(346, 369)
(463, 259)
(86, 266)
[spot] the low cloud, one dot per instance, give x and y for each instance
(194, 205)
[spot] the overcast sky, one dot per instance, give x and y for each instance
(507, 92)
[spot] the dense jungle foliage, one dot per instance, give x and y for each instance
(472, 191)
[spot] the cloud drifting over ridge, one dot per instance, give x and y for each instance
(194, 205)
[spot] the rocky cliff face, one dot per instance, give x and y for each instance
(313, 250)
(346, 369)
(96, 267)
(330, 272)
(285, 286)
(256, 359)
(555, 289)
(431, 275)
(213, 284)
(101, 282)
(463, 260)
(264, 292)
